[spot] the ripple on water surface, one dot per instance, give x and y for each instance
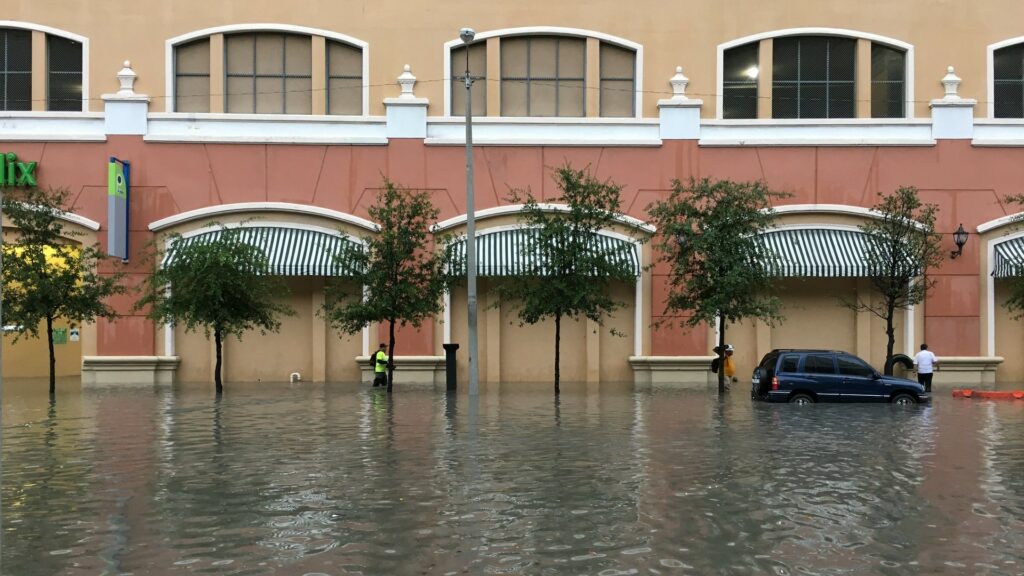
(336, 479)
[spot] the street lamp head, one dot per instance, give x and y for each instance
(467, 35)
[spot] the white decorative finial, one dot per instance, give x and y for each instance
(407, 81)
(127, 78)
(679, 83)
(952, 83)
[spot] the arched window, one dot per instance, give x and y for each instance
(1008, 78)
(64, 82)
(268, 71)
(542, 72)
(814, 73)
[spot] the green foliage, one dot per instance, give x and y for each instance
(222, 286)
(1015, 302)
(709, 235)
(46, 277)
(573, 275)
(401, 276)
(902, 247)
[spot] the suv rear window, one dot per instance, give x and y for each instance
(789, 363)
(819, 364)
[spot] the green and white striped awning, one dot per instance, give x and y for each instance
(1009, 258)
(817, 253)
(504, 253)
(291, 251)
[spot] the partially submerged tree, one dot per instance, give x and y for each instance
(46, 274)
(220, 284)
(567, 268)
(400, 276)
(902, 246)
(709, 235)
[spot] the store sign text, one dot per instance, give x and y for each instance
(14, 173)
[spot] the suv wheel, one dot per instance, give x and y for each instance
(801, 399)
(904, 400)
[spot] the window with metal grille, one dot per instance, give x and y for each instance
(16, 70)
(268, 73)
(888, 82)
(739, 81)
(618, 81)
(813, 77)
(1008, 69)
(63, 74)
(543, 76)
(192, 76)
(344, 79)
(478, 70)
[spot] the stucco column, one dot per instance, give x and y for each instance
(591, 91)
(492, 339)
(863, 319)
(217, 90)
(38, 71)
(319, 332)
(125, 112)
(952, 116)
(765, 55)
(679, 115)
(762, 338)
(862, 108)
(407, 114)
(593, 351)
(318, 81)
(493, 80)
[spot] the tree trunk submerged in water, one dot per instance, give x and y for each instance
(218, 345)
(558, 347)
(721, 355)
(391, 354)
(53, 357)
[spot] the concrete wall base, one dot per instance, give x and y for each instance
(961, 371)
(129, 370)
(690, 372)
(409, 370)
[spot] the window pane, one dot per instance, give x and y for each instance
(298, 55)
(513, 57)
(888, 66)
(64, 74)
(269, 54)
(812, 58)
(513, 97)
(819, 364)
(18, 92)
(64, 92)
(478, 69)
(813, 77)
(571, 57)
(784, 100)
(850, 366)
(789, 363)
(269, 96)
(542, 98)
(344, 60)
(813, 100)
(239, 53)
(192, 94)
(298, 96)
(345, 96)
(617, 98)
(240, 95)
(193, 58)
(739, 87)
(543, 58)
(16, 70)
(784, 59)
(1008, 69)
(570, 98)
(841, 100)
(617, 62)
(842, 59)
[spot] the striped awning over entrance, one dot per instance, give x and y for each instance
(1009, 258)
(291, 251)
(504, 253)
(818, 253)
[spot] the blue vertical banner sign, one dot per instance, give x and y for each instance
(118, 194)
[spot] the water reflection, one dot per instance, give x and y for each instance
(337, 479)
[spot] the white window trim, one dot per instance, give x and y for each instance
(274, 207)
(486, 213)
(908, 105)
(990, 282)
(548, 30)
(171, 43)
(64, 34)
(990, 74)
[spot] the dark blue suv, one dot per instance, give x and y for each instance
(807, 376)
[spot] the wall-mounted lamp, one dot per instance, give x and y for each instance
(959, 238)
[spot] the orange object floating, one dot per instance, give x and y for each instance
(990, 394)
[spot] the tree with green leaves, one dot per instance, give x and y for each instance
(46, 274)
(902, 246)
(1015, 302)
(219, 283)
(400, 275)
(567, 269)
(709, 236)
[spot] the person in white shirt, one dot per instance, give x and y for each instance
(926, 364)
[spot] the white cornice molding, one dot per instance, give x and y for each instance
(909, 48)
(273, 207)
(73, 219)
(984, 227)
(547, 207)
(841, 209)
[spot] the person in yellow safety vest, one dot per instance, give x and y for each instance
(730, 366)
(380, 366)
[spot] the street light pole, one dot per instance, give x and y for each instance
(467, 35)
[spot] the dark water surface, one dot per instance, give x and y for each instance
(310, 479)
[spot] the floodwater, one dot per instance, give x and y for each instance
(311, 479)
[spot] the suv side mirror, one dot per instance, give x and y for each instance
(876, 375)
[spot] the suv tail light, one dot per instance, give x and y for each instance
(775, 383)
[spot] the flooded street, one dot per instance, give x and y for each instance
(312, 479)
